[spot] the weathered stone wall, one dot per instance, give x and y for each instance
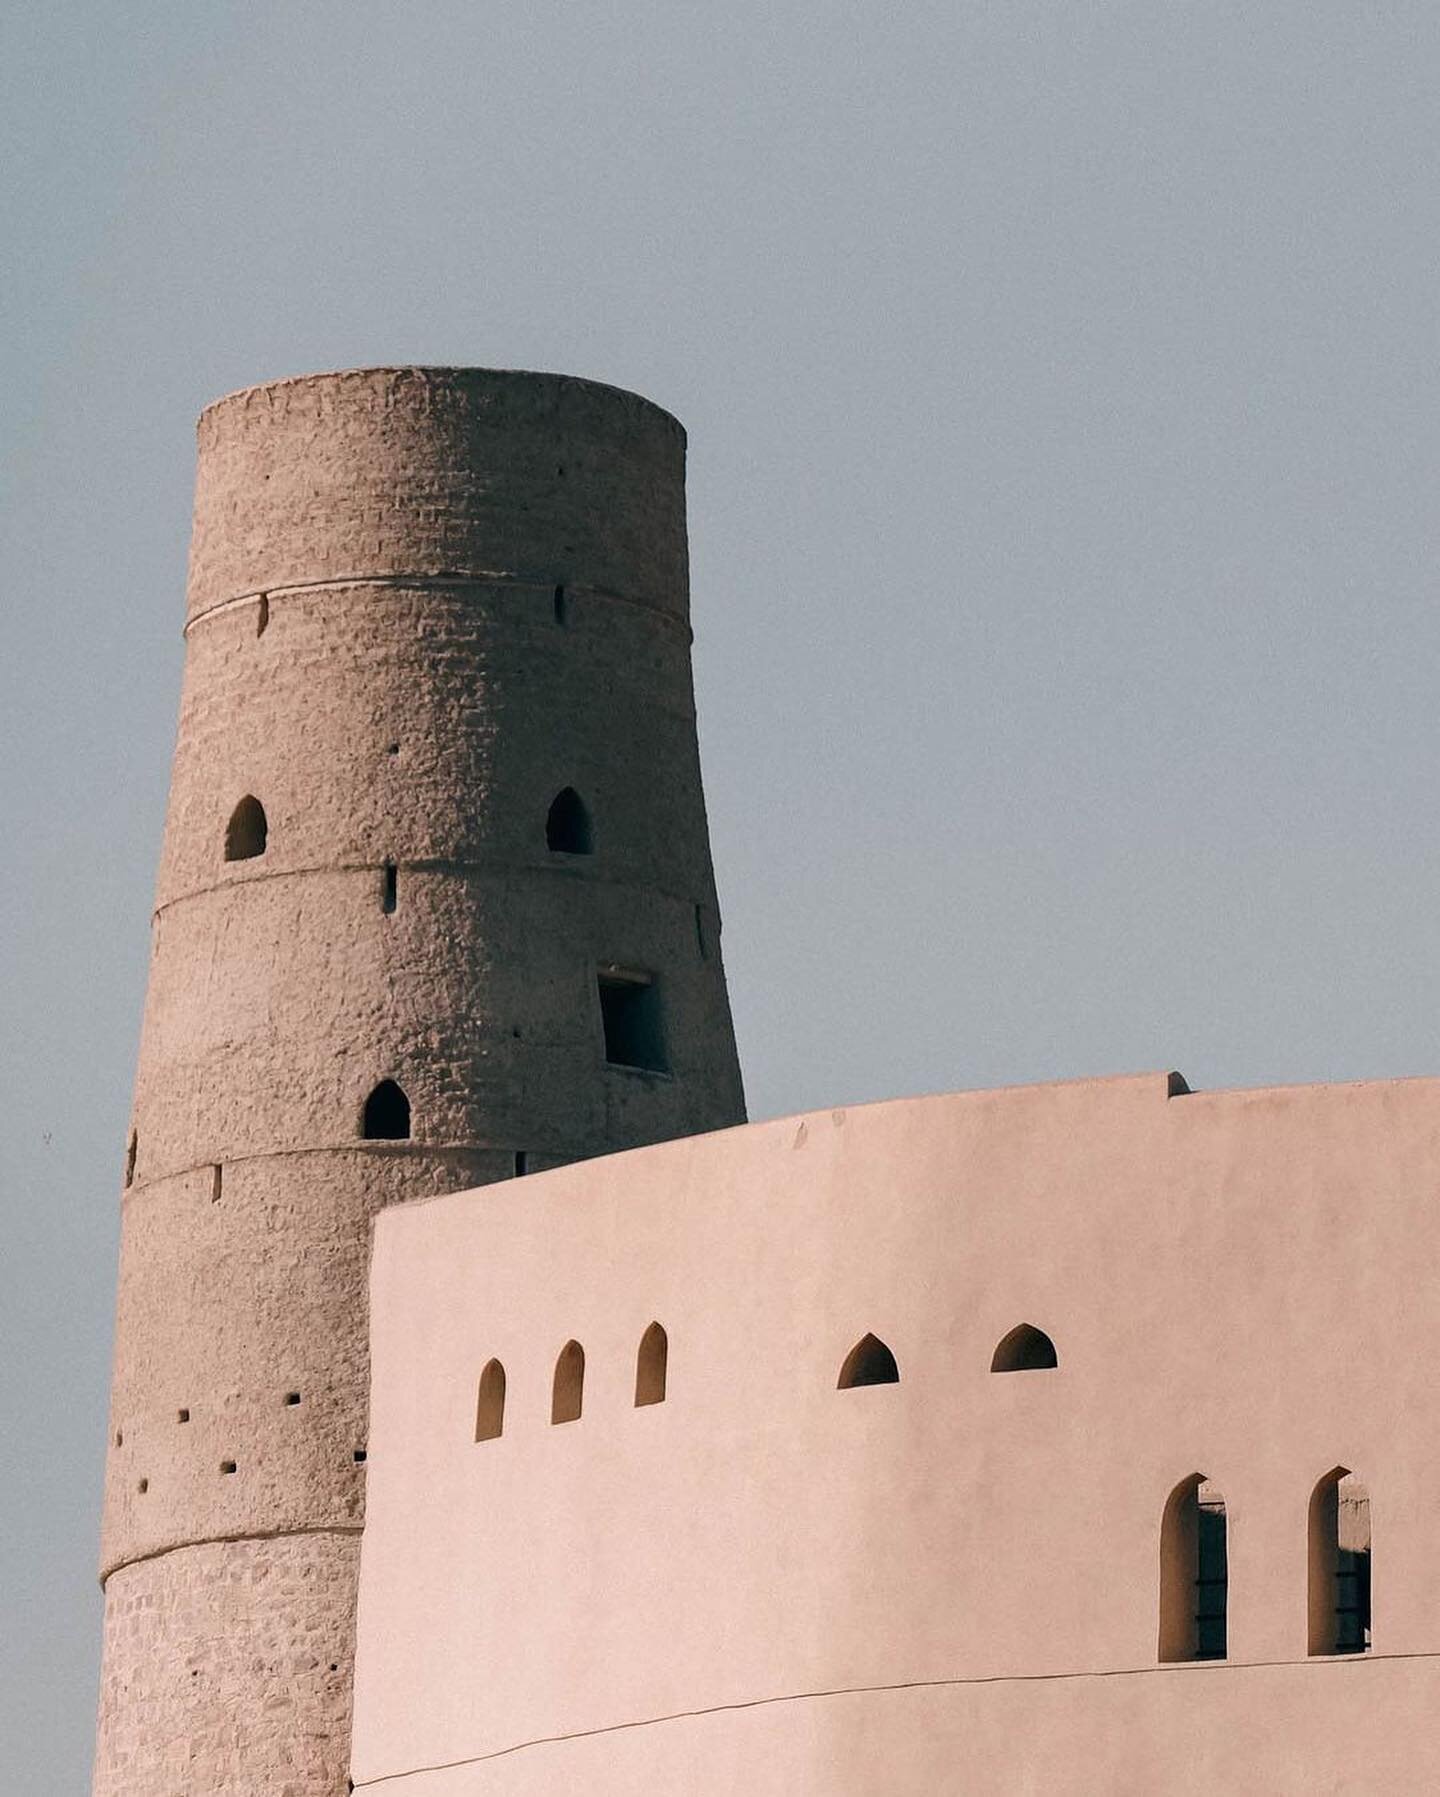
(422, 603)
(201, 1642)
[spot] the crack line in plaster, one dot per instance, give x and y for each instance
(916, 1684)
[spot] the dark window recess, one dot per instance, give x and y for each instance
(700, 941)
(1212, 1578)
(131, 1149)
(292, 1397)
(217, 1182)
(262, 614)
(630, 1012)
(567, 1394)
(1340, 1565)
(490, 1406)
(650, 1366)
(1025, 1349)
(387, 1114)
(522, 1163)
(227, 1466)
(1194, 1573)
(182, 1416)
(359, 1456)
(567, 827)
(869, 1362)
(562, 606)
(389, 888)
(247, 832)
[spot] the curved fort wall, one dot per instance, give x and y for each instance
(422, 604)
(950, 1582)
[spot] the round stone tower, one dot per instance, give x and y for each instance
(435, 909)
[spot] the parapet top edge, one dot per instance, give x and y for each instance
(394, 1217)
(439, 372)
(835, 1114)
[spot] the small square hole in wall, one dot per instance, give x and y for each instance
(630, 1013)
(182, 1416)
(143, 1487)
(227, 1466)
(292, 1397)
(359, 1456)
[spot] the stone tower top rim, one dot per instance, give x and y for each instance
(438, 374)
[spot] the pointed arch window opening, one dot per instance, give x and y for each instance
(567, 1397)
(386, 1117)
(248, 832)
(1025, 1349)
(1194, 1573)
(568, 829)
(651, 1366)
(1339, 1564)
(869, 1362)
(490, 1402)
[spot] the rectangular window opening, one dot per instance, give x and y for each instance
(630, 1013)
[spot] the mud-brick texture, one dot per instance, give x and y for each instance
(423, 602)
(439, 471)
(201, 1643)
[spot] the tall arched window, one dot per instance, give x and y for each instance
(247, 831)
(650, 1366)
(1025, 1349)
(1339, 1564)
(567, 828)
(387, 1114)
(568, 1394)
(490, 1405)
(1194, 1572)
(869, 1362)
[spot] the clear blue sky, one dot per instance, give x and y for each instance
(1061, 381)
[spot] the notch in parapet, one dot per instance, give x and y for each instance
(1176, 1085)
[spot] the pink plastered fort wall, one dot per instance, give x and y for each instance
(950, 1581)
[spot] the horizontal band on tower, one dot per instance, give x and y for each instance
(108, 1572)
(410, 582)
(430, 865)
(380, 1148)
